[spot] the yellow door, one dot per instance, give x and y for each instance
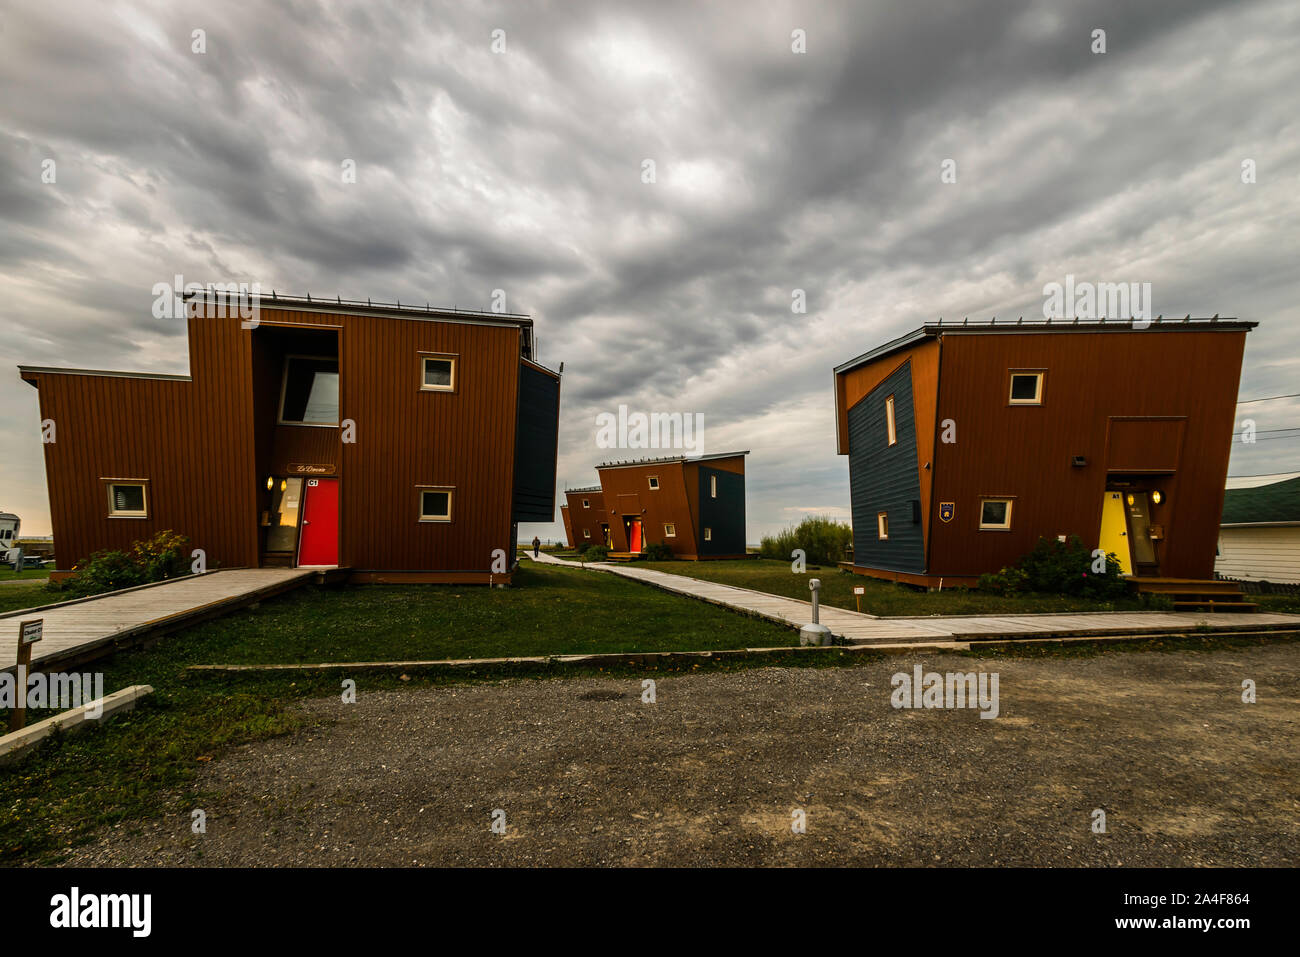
(1114, 530)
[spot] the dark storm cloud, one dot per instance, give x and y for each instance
(521, 171)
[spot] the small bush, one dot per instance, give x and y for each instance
(1061, 568)
(596, 553)
(152, 560)
(582, 547)
(824, 541)
(657, 552)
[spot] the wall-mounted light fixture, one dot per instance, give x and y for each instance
(270, 482)
(1131, 499)
(284, 484)
(1156, 496)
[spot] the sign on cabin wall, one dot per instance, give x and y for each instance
(300, 468)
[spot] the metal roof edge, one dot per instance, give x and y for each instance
(56, 370)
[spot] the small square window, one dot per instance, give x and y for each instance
(586, 533)
(670, 530)
(127, 500)
(995, 514)
(653, 480)
(889, 421)
(435, 505)
(882, 525)
(708, 534)
(439, 373)
(586, 503)
(1026, 388)
(713, 486)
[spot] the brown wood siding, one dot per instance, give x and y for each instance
(207, 463)
(668, 504)
(589, 519)
(568, 527)
(1026, 451)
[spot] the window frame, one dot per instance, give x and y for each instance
(586, 533)
(891, 422)
(653, 482)
(713, 486)
(882, 526)
(708, 533)
(454, 358)
(110, 483)
(425, 519)
(1011, 510)
(1040, 376)
(284, 388)
(670, 529)
(586, 503)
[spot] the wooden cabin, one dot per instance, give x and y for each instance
(584, 516)
(694, 505)
(968, 442)
(1259, 534)
(398, 443)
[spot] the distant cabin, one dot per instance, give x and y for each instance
(1259, 538)
(967, 442)
(584, 517)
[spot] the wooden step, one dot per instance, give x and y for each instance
(1179, 586)
(1225, 606)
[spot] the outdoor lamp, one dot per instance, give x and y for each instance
(284, 484)
(1156, 496)
(270, 482)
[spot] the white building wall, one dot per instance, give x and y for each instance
(1259, 553)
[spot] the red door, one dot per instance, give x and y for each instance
(319, 542)
(634, 544)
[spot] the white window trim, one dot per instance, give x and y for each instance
(284, 385)
(451, 503)
(443, 356)
(1011, 507)
(670, 529)
(586, 503)
(882, 526)
(653, 482)
(708, 534)
(111, 483)
(586, 533)
(1039, 377)
(713, 486)
(891, 426)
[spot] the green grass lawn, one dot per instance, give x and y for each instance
(34, 574)
(14, 597)
(881, 598)
(136, 764)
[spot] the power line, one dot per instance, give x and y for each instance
(1269, 398)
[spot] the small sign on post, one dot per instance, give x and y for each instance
(29, 632)
(858, 592)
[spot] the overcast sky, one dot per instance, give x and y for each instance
(522, 170)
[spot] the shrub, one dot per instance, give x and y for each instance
(657, 552)
(582, 547)
(152, 560)
(596, 553)
(1063, 568)
(823, 540)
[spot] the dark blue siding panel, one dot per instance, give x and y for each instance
(883, 477)
(536, 441)
(725, 515)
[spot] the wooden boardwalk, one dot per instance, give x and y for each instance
(860, 629)
(81, 631)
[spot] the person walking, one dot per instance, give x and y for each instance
(537, 543)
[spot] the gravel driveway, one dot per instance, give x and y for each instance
(586, 773)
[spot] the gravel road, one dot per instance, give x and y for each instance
(711, 774)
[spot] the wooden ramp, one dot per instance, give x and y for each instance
(90, 628)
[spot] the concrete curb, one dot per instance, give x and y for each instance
(512, 665)
(15, 745)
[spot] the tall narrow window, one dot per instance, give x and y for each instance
(889, 420)
(708, 534)
(713, 486)
(127, 500)
(286, 499)
(309, 394)
(438, 373)
(882, 525)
